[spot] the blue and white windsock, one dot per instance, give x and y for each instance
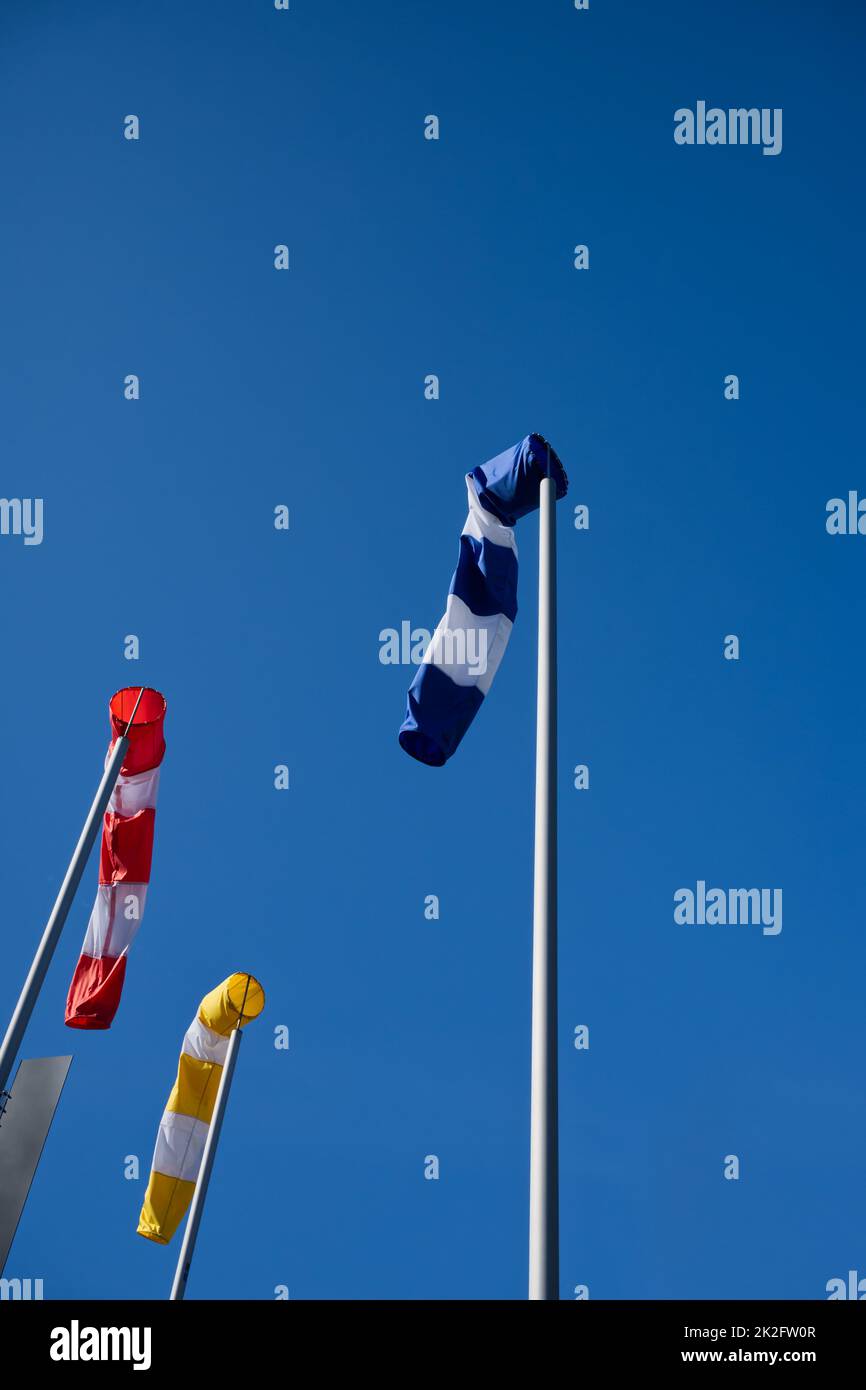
(467, 646)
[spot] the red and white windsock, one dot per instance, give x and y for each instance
(124, 863)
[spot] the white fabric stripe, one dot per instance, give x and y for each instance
(111, 929)
(179, 1146)
(133, 794)
(204, 1044)
(467, 648)
(483, 525)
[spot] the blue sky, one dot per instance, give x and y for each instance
(707, 517)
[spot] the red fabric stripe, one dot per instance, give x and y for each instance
(127, 847)
(146, 741)
(94, 994)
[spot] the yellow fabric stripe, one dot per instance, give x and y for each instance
(194, 1092)
(221, 1008)
(165, 1204)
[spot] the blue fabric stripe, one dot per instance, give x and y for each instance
(508, 485)
(486, 578)
(438, 715)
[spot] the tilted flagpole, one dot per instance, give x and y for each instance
(190, 1235)
(50, 937)
(544, 1125)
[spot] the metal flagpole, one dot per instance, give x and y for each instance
(187, 1249)
(544, 1127)
(51, 935)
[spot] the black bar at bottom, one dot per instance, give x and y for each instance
(201, 1336)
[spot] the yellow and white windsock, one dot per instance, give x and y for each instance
(184, 1125)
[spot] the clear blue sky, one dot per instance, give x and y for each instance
(411, 257)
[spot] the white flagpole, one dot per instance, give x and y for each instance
(544, 1127)
(54, 927)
